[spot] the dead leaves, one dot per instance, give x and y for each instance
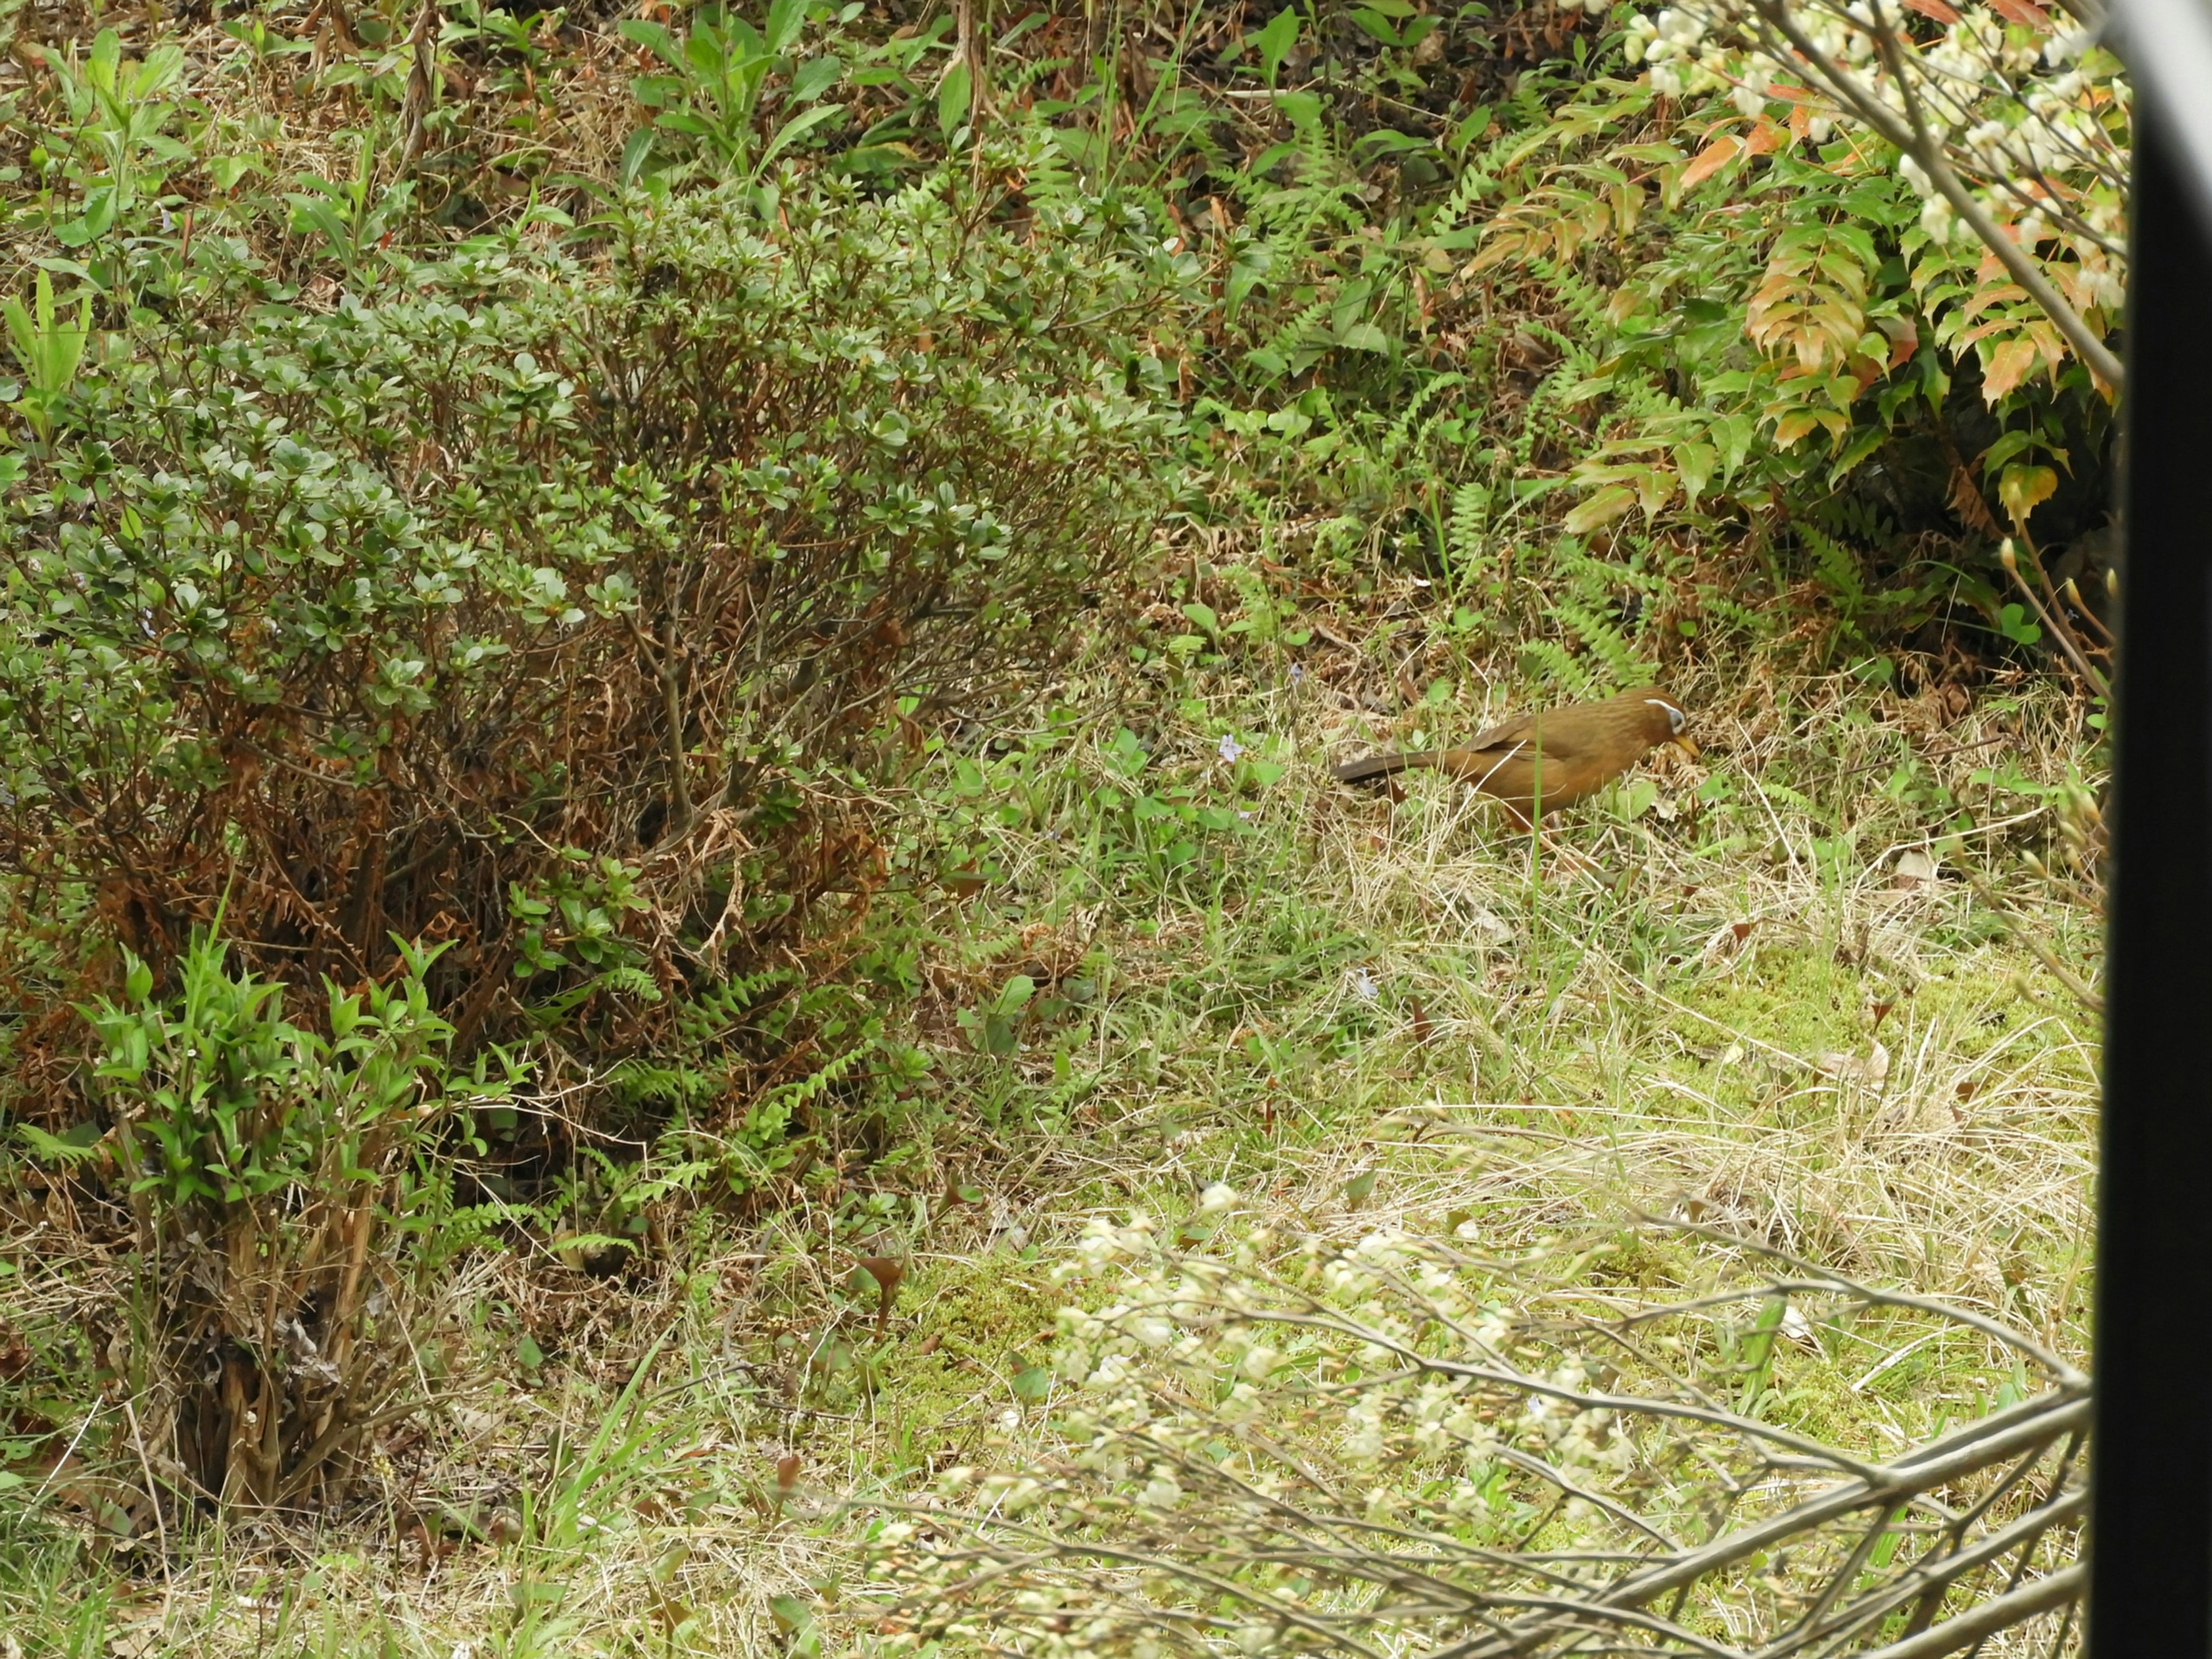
(1868, 1071)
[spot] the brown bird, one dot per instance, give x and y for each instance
(1553, 758)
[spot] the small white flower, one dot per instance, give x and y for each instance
(1936, 218)
(1231, 749)
(1112, 1370)
(1364, 987)
(1219, 1196)
(1915, 175)
(2066, 45)
(1152, 1331)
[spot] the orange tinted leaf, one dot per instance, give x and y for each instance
(1904, 341)
(2019, 11)
(2013, 361)
(1709, 160)
(1602, 508)
(1792, 426)
(1764, 136)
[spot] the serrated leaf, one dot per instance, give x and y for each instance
(1694, 463)
(2012, 363)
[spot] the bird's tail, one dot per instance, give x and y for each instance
(1381, 766)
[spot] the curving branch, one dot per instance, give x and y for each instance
(1909, 133)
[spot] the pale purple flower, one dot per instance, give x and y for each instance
(1231, 749)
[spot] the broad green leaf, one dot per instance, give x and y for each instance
(953, 100)
(784, 19)
(653, 37)
(798, 127)
(1275, 40)
(1375, 26)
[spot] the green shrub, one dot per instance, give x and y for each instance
(557, 610)
(265, 1167)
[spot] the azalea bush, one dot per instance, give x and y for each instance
(281, 1193)
(555, 605)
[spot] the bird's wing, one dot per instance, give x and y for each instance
(1506, 733)
(1567, 733)
(1561, 739)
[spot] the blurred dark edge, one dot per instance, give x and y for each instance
(2150, 1536)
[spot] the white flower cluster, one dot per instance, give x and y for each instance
(1320, 1345)
(1241, 1409)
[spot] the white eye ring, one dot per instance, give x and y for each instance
(1673, 714)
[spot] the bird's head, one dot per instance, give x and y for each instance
(1663, 720)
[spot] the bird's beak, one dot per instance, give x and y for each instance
(1685, 746)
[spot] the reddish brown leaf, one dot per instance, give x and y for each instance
(887, 1272)
(1764, 136)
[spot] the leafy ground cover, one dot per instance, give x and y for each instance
(1216, 396)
